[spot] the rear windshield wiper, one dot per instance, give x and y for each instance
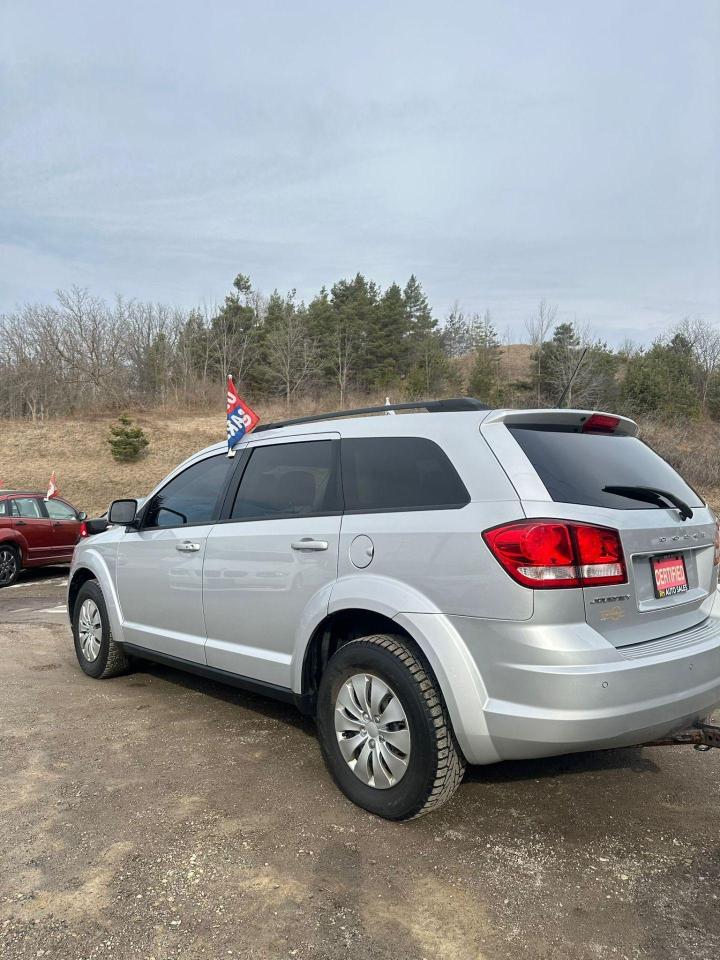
(652, 495)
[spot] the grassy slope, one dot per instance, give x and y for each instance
(77, 451)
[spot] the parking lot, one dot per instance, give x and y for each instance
(162, 815)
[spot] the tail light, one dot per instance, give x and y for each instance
(716, 561)
(83, 529)
(546, 554)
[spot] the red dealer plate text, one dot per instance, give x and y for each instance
(669, 576)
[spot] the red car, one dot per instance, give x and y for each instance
(35, 532)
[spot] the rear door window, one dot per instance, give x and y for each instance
(289, 480)
(575, 467)
(382, 474)
(27, 508)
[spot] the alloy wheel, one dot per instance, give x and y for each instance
(8, 565)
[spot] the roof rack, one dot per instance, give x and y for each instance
(453, 405)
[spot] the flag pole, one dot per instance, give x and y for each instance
(231, 450)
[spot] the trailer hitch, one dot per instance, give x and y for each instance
(704, 735)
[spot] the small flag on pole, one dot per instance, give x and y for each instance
(52, 490)
(241, 419)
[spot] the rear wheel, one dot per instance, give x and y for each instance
(9, 565)
(384, 729)
(98, 654)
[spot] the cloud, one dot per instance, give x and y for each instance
(503, 153)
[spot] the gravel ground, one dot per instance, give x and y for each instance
(160, 815)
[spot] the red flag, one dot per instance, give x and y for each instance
(241, 418)
(52, 487)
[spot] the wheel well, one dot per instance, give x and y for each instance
(80, 577)
(334, 631)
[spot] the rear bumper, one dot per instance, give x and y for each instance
(553, 690)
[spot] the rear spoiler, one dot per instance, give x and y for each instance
(567, 418)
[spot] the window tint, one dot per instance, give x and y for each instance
(57, 510)
(576, 466)
(190, 497)
(399, 473)
(26, 507)
(289, 480)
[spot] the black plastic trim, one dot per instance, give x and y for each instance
(215, 673)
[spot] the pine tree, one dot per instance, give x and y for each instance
(457, 333)
(235, 335)
(425, 352)
(662, 380)
(127, 443)
(387, 345)
(354, 303)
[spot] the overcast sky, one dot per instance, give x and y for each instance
(503, 151)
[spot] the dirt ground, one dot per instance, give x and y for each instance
(159, 815)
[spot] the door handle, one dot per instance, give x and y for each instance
(187, 547)
(307, 543)
(20, 523)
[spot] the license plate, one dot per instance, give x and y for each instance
(669, 576)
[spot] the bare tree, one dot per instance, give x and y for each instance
(537, 327)
(704, 338)
(291, 353)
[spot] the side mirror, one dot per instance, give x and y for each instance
(99, 525)
(122, 512)
(82, 515)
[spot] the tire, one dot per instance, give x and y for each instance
(10, 565)
(414, 775)
(98, 654)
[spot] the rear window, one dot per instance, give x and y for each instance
(380, 474)
(576, 466)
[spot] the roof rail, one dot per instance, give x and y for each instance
(453, 405)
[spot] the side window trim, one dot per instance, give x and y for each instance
(234, 481)
(237, 477)
(425, 509)
(195, 523)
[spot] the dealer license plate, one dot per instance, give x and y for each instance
(669, 576)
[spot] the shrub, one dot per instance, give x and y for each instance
(127, 443)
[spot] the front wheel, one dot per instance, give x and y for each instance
(98, 654)
(384, 729)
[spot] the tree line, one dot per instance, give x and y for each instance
(81, 354)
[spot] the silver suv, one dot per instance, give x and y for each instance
(454, 586)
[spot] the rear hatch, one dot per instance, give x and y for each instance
(567, 466)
